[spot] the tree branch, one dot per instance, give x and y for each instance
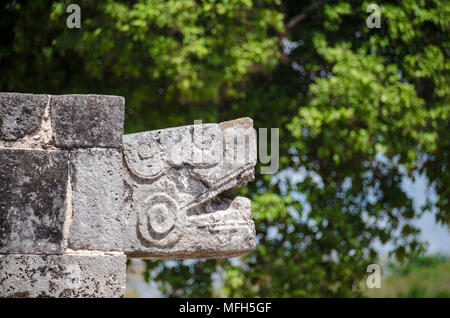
(295, 20)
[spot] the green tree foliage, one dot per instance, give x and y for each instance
(358, 109)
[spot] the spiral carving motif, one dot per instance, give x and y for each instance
(159, 221)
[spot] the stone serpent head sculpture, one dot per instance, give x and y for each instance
(172, 180)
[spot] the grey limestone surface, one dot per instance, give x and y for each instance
(32, 200)
(20, 114)
(81, 121)
(62, 276)
(97, 194)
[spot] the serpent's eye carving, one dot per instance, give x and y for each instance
(159, 220)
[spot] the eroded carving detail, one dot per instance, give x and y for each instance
(144, 157)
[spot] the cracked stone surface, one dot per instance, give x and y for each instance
(62, 276)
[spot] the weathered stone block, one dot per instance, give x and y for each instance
(97, 196)
(32, 200)
(87, 120)
(20, 114)
(62, 275)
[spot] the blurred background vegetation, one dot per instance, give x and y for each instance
(359, 110)
(425, 276)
